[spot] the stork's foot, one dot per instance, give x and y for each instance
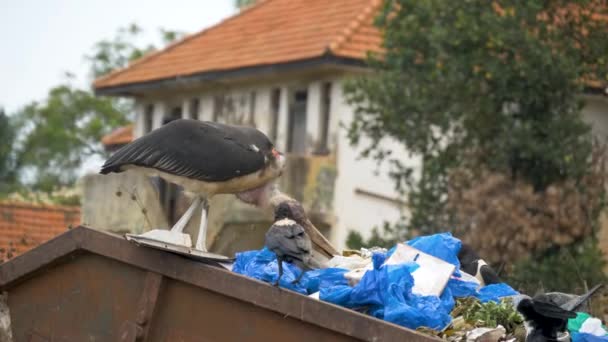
(166, 236)
(276, 283)
(297, 280)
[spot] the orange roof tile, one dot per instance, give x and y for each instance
(120, 136)
(24, 226)
(271, 32)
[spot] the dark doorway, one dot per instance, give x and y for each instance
(296, 132)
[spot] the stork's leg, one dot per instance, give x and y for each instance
(299, 278)
(280, 262)
(201, 240)
(173, 236)
(183, 221)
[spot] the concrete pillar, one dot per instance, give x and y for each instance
(206, 107)
(138, 128)
(186, 108)
(283, 119)
(337, 105)
(160, 110)
(313, 115)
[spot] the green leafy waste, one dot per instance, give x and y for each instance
(469, 313)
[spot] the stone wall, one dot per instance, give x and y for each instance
(124, 202)
(6, 334)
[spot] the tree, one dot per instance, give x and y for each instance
(116, 53)
(487, 94)
(478, 84)
(7, 170)
(62, 132)
(58, 134)
(240, 4)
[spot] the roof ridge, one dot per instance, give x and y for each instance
(29, 205)
(186, 38)
(354, 25)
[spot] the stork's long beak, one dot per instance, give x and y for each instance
(276, 153)
(280, 159)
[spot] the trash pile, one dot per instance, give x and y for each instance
(417, 284)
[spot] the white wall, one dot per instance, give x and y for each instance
(352, 211)
(358, 211)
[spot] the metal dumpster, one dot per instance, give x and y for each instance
(87, 285)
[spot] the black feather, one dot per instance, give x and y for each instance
(205, 151)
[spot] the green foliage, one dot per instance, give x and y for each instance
(8, 177)
(462, 83)
(568, 269)
(240, 4)
(57, 135)
(490, 314)
(62, 132)
(386, 238)
(118, 52)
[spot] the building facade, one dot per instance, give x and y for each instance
(281, 66)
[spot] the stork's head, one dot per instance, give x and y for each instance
(275, 160)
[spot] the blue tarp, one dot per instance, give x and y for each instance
(384, 292)
(582, 337)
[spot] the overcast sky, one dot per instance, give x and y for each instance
(42, 39)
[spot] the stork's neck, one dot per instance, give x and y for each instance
(276, 196)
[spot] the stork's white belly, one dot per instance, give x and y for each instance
(231, 186)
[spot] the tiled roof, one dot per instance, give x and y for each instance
(24, 226)
(120, 136)
(271, 32)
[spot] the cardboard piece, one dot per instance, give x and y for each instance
(431, 278)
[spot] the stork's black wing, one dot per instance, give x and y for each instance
(194, 149)
(549, 309)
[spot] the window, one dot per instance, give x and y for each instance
(148, 118)
(296, 131)
(218, 107)
(252, 97)
(194, 108)
(322, 147)
(176, 113)
(275, 106)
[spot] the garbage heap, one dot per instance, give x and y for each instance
(417, 284)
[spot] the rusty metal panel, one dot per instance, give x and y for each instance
(87, 298)
(93, 286)
(188, 313)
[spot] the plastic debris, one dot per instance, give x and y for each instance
(391, 285)
(594, 327)
(582, 337)
(486, 334)
(443, 246)
(433, 274)
(494, 292)
(576, 324)
(351, 262)
(262, 265)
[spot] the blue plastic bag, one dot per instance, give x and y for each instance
(387, 293)
(263, 265)
(443, 246)
(582, 337)
(339, 295)
(494, 292)
(418, 311)
(378, 259)
(386, 290)
(314, 280)
(461, 288)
